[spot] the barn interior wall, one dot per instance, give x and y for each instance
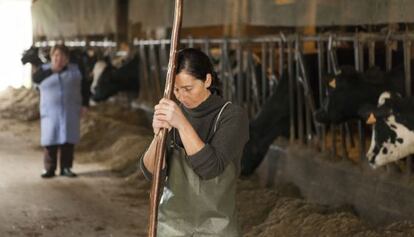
(128, 19)
(73, 18)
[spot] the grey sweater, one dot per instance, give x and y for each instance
(223, 146)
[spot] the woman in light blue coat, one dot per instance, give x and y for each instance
(60, 110)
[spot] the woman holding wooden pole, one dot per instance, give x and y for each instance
(205, 143)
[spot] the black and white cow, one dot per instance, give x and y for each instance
(349, 90)
(109, 80)
(272, 121)
(393, 128)
(32, 56)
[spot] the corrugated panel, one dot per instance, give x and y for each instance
(330, 12)
(159, 13)
(70, 18)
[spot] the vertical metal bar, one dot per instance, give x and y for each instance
(146, 82)
(264, 73)
(356, 54)
(309, 99)
(190, 42)
(407, 70)
(361, 129)
(229, 73)
(407, 67)
(247, 81)
(206, 47)
(254, 89)
(332, 127)
(388, 56)
(361, 55)
(371, 55)
(224, 79)
(155, 71)
(239, 53)
(321, 63)
(281, 59)
(272, 81)
(164, 61)
(291, 92)
(299, 94)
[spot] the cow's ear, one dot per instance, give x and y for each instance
(332, 83)
(365, 112)
(371, 119)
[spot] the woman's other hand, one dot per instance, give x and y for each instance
(168, 114)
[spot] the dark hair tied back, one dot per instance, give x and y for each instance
(198, 64)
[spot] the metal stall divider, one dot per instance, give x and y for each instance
(227, 74)
(206, 47)
(163, 55)
(253, 98)
(309, 100)
(264, 85)
(272, 79)
(334, 66)
(155, 71)
(240, 77)
(407, 71)
(330, 70)
(358, 66)
(371, 53)
(292, 126)
(145, 90)
(299, 93)
(322, 89)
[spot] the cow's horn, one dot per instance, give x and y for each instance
(371, 119)
(332, 83)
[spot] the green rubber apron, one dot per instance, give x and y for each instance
(190, 206)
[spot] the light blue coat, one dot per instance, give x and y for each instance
(60, 106)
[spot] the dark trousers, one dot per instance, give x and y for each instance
(65, 153)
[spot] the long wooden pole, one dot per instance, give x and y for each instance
(162, 135)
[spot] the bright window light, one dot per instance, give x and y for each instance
(16, 22)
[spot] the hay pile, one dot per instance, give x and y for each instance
(21, 104)
(114, 136)
(282, 212)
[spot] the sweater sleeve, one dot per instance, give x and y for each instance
(226, 145)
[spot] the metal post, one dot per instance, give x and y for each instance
(264, 73)
(321, 67)
(299, 94)
(291, 92)
(407, 70)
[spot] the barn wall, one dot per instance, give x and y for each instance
(159, 13)
(71, 18)
(375, 195)
(329, 12)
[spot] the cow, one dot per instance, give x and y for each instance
(392, 122)
(109, 80)
(273, 120)
(349, 90)
(32, 56)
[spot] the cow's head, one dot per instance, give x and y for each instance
(102, 86)
(339, 102)
(393, 129)
(347, 91)
(31, 56)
